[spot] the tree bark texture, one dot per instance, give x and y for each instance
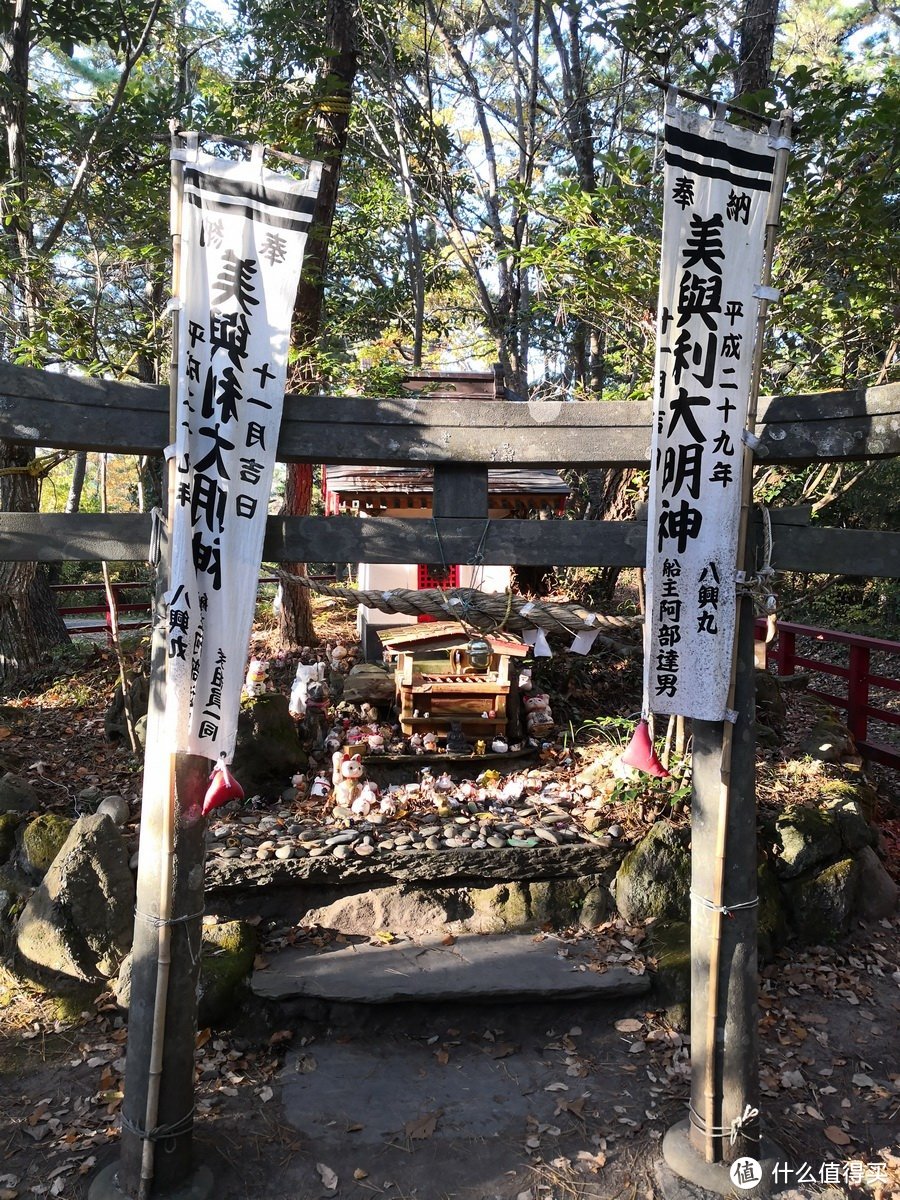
(295, 625)
(758, 23)
(29, 620)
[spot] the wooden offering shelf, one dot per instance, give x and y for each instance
(431, 695)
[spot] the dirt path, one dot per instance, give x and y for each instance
(518, 1102)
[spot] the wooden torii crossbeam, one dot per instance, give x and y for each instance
(460, 439)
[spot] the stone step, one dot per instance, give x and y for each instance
(474, 967)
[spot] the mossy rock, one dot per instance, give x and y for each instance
(770, 706)
(669, 942)
(502, 907)
(42, 840)
(225, 964)
(842, 803)
(772, 924)
(9, 823)
(268, 750)
(821, 904)
(829, 740)
(654, 878)
(808, 837)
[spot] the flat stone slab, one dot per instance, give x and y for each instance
(461, 866)
(486, 968)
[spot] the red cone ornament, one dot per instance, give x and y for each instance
(222, 788)
(639, 753)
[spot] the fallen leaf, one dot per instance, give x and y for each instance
(556, 1087)
(835, 1134)
(328, 1177)
(449, 940)
(442, 1056)
(385, 937)
(501, 1050)
(359, 1173)
(422, 1127)
(203, 1036)
(629, 1025)
(861, 1080)
(265, 1094)
(281, 1035)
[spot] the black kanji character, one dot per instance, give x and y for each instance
(666, 685)
(229, 332)
(251, 470)
(274, 248)
(214, 457)
(682, 467)
(264, 374)
(208, 502)
(682, 524)
(208, 558)
(683, 191)
(738, 208)
(733, 310)
(700, 297)
(704, 246)
(234, 281)
(256, 435)
(681, 410)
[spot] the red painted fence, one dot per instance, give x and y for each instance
(125, 610)
(856, 670)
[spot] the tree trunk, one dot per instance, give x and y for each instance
(29, 620)
(79, 467)
(758, 22)
(336, 84)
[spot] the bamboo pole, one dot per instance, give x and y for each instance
(710, 1089)
(167, 827)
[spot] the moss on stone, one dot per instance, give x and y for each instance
(504, 906)
(836, 792)
(821, 903)
(808, 837)
(227, 959)
(654, 878)
(43, 838)
(9, 823)
(772, 925)
(669, 942)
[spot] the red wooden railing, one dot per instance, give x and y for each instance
(857, 672)
(67, 611)
(123, 609)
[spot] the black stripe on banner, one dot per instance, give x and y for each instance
(297, 224)
(705, 168)
(248, 191)
(708, 147)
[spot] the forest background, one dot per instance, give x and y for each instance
(493, 193)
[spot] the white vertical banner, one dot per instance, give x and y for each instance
(717, 184)
(243, 235)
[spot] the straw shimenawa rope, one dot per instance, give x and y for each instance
(484, 611)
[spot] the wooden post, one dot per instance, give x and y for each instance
(724, 1116)
(158, 1108)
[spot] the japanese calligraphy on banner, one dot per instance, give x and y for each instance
(717, 184)
(243, 230)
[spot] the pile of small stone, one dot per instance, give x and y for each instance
(523, 810)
